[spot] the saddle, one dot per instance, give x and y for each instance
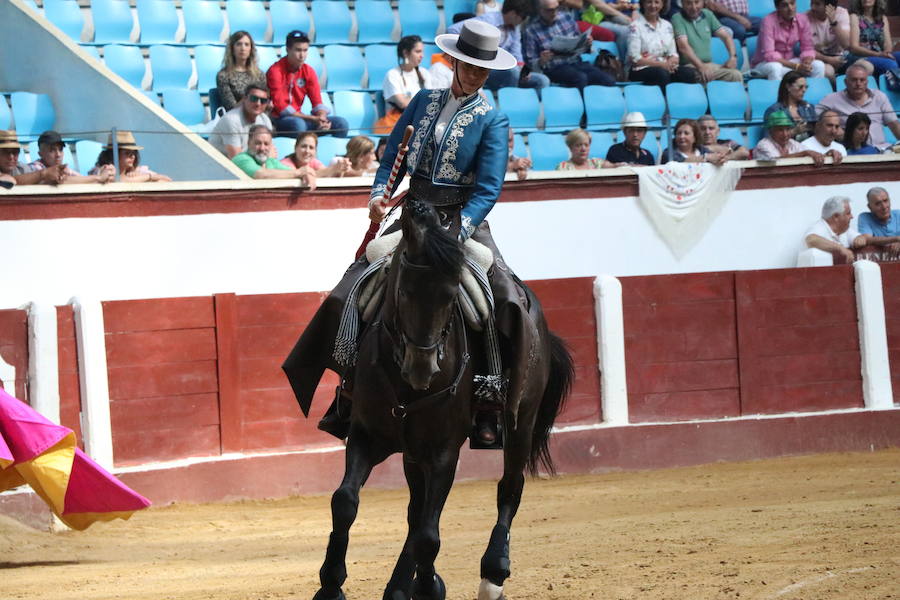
(474, 304)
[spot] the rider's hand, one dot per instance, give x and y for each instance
(377, 209)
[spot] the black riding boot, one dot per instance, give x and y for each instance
(336, 419)
(487, 431)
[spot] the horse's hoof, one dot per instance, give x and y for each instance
(395, 595)
(321, 595)
(490, 591)
(438, 591)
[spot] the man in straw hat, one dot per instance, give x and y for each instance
(12, 168)
(457, 161)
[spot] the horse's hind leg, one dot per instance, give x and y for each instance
(361, 457)
(495, 565)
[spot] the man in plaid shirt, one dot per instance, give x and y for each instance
(568, 71)
(735, 15)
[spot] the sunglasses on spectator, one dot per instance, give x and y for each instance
(258, 99)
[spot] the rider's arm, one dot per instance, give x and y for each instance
(493, 156)
(393, 145)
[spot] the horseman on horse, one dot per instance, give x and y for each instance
(457, 162)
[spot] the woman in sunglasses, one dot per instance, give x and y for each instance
(229, 135)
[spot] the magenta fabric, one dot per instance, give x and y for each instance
(25, 432)
(87, 478)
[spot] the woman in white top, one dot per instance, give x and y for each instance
(403, 82)
(652, 55)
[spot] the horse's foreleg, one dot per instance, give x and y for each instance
(400, 585)
(361, 457)
(426, 541)
(495, 565)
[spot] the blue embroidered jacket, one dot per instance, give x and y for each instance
(473, 152)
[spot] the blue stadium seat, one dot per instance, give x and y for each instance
(600, 143)
(306, 106)
(610, 46)
(380, 58)
(427, 51)
(519, 147)
(332, 22)
(647, 99)
(819, 87)
(547, 150)
(419, 17)
(651, 145)
(522, 106)
(66, 15)
(760, 8)
(249, 16)
(203, 21)
(840, 85)
(893, 96)
(287, 15)
(314, 59)
(732, 133)
(563, 108)
(452, 7)
(376, 21)
(67, 153)
(802, 6)
(153, 96)
(754, 134)
(125, 61)
(727, 101)
(92, 50)
(750, 45)
(345, 67)
(158, 21)
(284, 146)
(686, 100)
(605, 107)
(329, 147)
(113, 21)
(5, 113)
(184, 105)
(33, 114)
(171, 67)
(763, 94)
(357, 108)
(267, 56)
(86, 153)
(208, 61)
(720, 52)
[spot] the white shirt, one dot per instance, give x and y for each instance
(398, 82)
(811, 143)
(447, 113)
(822, 229)
(441, 76)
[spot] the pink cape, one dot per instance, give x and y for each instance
(44, 455)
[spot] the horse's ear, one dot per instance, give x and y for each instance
(414, 229)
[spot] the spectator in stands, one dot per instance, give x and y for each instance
(7, 182)
(10, 165)
(686, 146)
(509, 21)
(563, 69)
(291, 80)
(694, 27)
(240, 68)
(579, 143)
(483, 7)
(615, 23)
(379, 149)
(830, 28)
(735, 15)
(517, 164)
(779, 34)
(441, 71)
(257, 162)
(857, 97)
(630, 152)
(790, 100)
(403, 82)
(824, 140)
(360, 156)
(50, 151)
(130, 167)
(881, 224)
(856, 135)
(304, 159)
(870, 35)
(709, 137)
(652, 56)
(229, 136)
(778, 142)
(832, 233)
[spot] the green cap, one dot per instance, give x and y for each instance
(779, 118)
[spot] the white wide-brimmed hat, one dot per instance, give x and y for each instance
(635, 120)
(478, 43)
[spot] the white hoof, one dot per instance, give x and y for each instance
(489, 591)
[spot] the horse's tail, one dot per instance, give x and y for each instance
(562, 374)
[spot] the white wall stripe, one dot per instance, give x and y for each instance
(611, 349)
(873, 349)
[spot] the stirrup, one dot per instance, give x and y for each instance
(335, 420)
(486, 422)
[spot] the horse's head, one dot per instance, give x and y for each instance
(427, 284)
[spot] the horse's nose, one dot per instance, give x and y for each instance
(419, 371)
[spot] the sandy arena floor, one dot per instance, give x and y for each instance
(804, 528)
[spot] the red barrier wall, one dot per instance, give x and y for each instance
(14, 347)
(69, 383)
(890, 281)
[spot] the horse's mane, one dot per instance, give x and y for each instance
(443, 251)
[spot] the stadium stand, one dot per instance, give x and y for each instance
(733, 133)
(66, 15)
(893, 96)
(763, 94)
(686, 100)
(267, 55)
(127, 62)
(346, 67)
(522, 106)
(600, 143)
(33, 114)
(331, 22)
(286, 16)
(171, 67)
(840, 85)
(547, 150)
(113, 21)
(380, 58)
(453, 7)
(760, 8)
(720, 52)
(203, 21)
(153, 96)
(520, 148)
(283, 146)
(248, 15)
(86, 153)
(357, 108)
(158, 21)
(646, 99)
(329, 147)
(207, 61)
(728, 101)
(185, 105)
(563, 108)
(378, 23)
(419, 17)
(605, 107)
(819, 87)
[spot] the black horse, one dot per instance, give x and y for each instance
(413, 394)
